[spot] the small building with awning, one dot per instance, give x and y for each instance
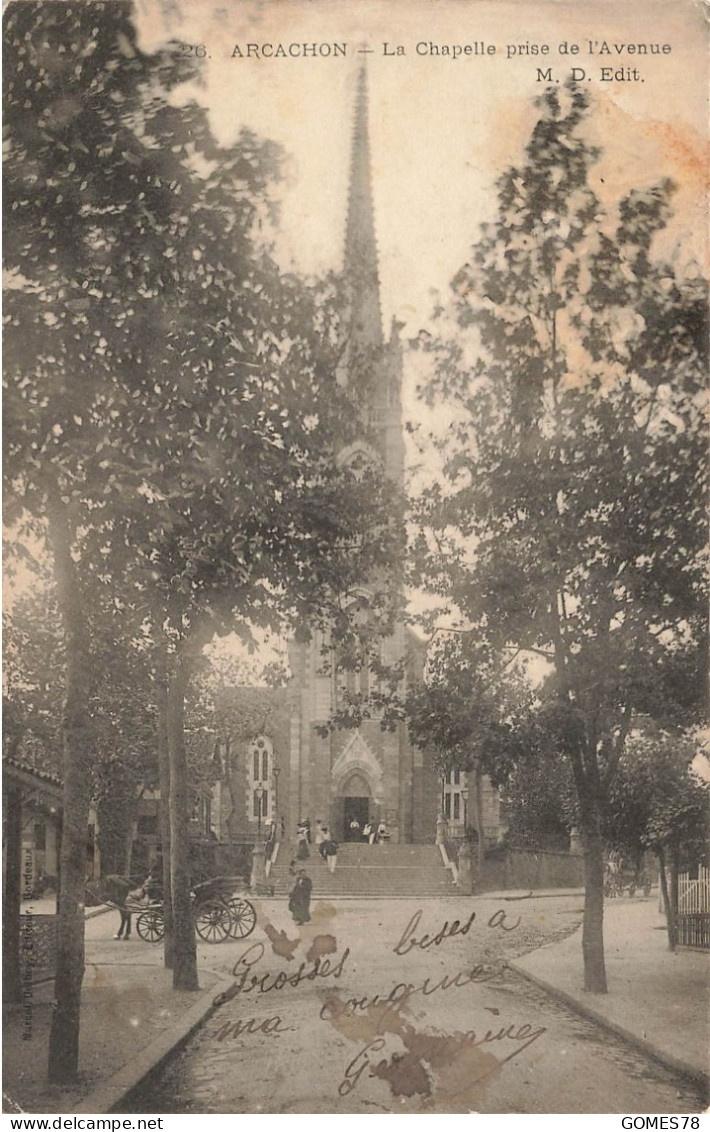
(32, 822)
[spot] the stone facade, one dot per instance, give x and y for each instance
(253, 785)
(342, 776)
(368, 774)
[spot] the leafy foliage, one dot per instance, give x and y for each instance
(570, 519)
(657, 800)
(171, 411)
(120, 704)
(468, 709)
(144, 294)
(569, 522)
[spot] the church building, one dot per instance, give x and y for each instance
(347, 778)
(363, 775)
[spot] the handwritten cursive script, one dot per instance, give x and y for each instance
(408, 940)
(334, 1007)
(424, 1047)
(247, 981)
(273, 1025)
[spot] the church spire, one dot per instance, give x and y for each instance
(360, 267)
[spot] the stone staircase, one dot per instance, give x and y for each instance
(378, 871)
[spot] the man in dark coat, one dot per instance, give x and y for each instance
(329, 852)
(299, 904)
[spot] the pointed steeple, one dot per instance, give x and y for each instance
(361, 275)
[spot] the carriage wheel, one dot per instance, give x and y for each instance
(243, 918)
(151, 926)
(213, 921)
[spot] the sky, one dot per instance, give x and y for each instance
(443, 129)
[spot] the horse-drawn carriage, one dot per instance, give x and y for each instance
(619, 879)
(220, 908)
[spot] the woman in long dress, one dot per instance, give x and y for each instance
(302, 842)
(299, 904)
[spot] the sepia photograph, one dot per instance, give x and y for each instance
(355, 750)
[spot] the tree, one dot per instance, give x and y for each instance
(270, 533)
(75, 86)
(122, 708)
(32, 674)
(124, 738)
(539, 800)
(143, 292)
(569, 522)
(239, 714)
(472, 713)
(31, 696)
(658, 802)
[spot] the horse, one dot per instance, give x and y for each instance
(115, 890)
(126, 894)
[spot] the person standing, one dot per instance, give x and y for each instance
(302, 842)
(299, 904)
(329, 853)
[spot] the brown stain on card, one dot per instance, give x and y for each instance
(281, 945)
(689, 154)
(316, 941)
(321, 945)
(442, 1069)
(128, 1007)
(459, 1068)
(322, 923)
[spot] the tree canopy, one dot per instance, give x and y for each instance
(569, 520)
(171, 409)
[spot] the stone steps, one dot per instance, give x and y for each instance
(384, 871)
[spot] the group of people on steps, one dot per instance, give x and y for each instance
(327, 846)
(299, 903)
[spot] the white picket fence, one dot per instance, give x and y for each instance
(694, 895)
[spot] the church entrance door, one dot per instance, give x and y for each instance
(355, 809)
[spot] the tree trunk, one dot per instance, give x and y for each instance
(481, 848)
(585, 769)
(184, 947)
(593, 922)
(673, 894)
(11, 893)
(671, 923)
(164, 779)
(96, 863)
(128, 851)
(76, 738)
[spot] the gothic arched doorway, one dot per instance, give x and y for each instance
(355, 799)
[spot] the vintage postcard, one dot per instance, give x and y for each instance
(355, 362)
